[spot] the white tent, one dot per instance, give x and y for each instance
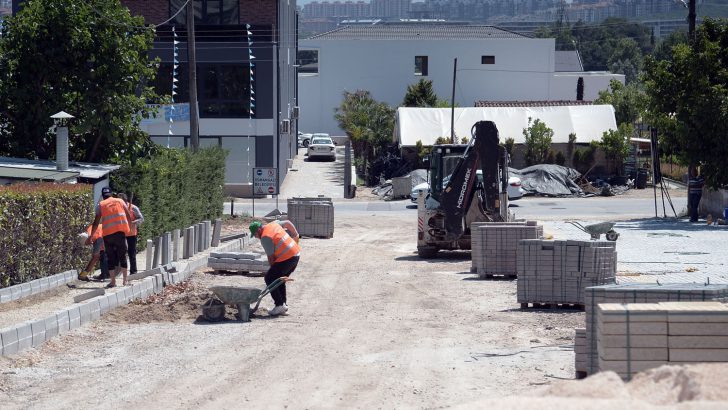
(588, 122)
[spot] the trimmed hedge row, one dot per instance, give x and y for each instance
(39, 224)
(174, 189)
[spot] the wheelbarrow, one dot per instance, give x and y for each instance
(596, 230)
(240, 297)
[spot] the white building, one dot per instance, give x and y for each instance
(493, 65)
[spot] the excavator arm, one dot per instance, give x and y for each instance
(485, 153)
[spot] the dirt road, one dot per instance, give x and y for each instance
(371, 326)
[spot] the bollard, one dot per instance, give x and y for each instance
(216, 233)
(175, 245)
(208, 232)
(157, 249)
(165, 248)
(149, 254)
(195, 238)
(200, 237)
(186, 244)
(191, 243)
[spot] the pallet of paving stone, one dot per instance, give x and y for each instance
(641, 293)
(313, 217)
(494, 246)
(238, 262)
(556, 272)
(580, 352)
(638, 336)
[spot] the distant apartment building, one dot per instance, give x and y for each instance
(349, 9)
(390, 8)
(493, 65)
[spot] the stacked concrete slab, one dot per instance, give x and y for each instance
(401, 187)
(556, 272)
(494, 246)
(580, 352)
(639, 336)
(640, 293)
(312, 216)
(238, 261)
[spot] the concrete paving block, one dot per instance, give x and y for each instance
(635, 353)
(6, 295)
(34, 287)
(51, 327)
(635, 365)
(633, 341)
(699, 355)
(45, 284)
(136, 290)
(104, 304)
(25, 336)
(25, 290)
(62, 318)
(701, 329)
(95, 308)
(85, 312)
(697, 342)
(88, 295)
(74, 317)
(121, 298)
(15, 292)
(128, 294)
(643, 328)
(9, 338)
(111, 301)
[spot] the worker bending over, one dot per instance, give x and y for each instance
(114, 217)
(279, 239)
(97, 254)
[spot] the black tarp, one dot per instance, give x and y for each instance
(548, 179)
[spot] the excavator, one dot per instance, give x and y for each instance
(458, 196)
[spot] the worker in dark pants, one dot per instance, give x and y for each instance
(695, 191)
(279, 239)
(131, 237)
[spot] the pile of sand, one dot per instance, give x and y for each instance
(180, 302)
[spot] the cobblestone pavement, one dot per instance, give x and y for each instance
(664, 250)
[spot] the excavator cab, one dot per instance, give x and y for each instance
(459, 195)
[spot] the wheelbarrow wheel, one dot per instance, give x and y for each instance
(612, 235)
(213, 310)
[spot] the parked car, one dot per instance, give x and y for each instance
(304, 139)
(514, 187)
(322, 146)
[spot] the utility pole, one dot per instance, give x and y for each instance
(192, 68)
(452, 102)
(692, 17)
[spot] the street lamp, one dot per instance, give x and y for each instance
(61, 120)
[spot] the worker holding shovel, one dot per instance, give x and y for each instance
(279, 239)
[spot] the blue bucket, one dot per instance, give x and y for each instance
(725, 214)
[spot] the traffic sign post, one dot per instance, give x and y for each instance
(265, 182)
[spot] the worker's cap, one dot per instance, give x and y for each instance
(106, 192)
(254, 226)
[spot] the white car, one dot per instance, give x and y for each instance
(514, 188)
(322, 147)
(304, 139)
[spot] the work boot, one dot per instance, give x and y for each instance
(278, 310)
(83, 276)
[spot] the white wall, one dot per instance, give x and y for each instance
(563, 85)
(523, 70)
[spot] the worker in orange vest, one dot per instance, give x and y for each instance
(131, 237)
(279, 239)
(98, 254)
(114, 217)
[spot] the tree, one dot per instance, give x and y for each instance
(538, 141)
(688, 101)
(368, 123)
(616, 144)
(570, 149)
(626, 58)
(629, 101)
(420, 94)
(89, 58)
(663, 51)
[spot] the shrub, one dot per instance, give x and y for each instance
(560, 158)
(538, 138)
(174, 188)
(39, 224)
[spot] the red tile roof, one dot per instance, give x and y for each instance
(559, 103)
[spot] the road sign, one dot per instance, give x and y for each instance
(265, 181)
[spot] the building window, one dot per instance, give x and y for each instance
(210, 12)
(421, 65)
(223, 89)
(308, 61)
(487, 60)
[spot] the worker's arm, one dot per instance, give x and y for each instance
(93, 228)
(291, 229)
(138, 217)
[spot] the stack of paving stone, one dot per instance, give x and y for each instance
(639, 336)
(238, 261)
(312, 216)
(495, 244)
(580, 352)
(640, 293)
(556, 272)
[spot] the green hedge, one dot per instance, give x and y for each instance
(39, 225)
(174, 188)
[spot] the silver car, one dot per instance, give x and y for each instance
(322, 147)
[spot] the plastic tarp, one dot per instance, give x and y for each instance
(588, 122)
(547, 179)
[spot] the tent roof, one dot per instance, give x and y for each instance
(588, 122)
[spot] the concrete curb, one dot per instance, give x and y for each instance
(33, 333)
(34, 287)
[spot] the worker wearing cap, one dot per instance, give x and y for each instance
(114, 217)
(279, 239)
(131, 237)
(695, 191)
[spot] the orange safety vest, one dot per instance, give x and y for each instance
(284, 247)
(132, 225)
(113, 217)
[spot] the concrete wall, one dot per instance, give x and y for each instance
(523, 70)
(713, 202)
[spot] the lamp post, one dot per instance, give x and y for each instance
(61, 120)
